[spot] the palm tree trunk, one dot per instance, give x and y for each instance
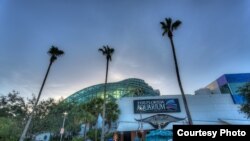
(34, 106)
(180, 84)
(104, 102)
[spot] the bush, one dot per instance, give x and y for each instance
(91, 134)
(77, 139)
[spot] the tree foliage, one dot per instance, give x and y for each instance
(48, 117)
(12, 105)
(168, 26)
(13, 113)
(245, 92)
(15, 110)
(9, 129)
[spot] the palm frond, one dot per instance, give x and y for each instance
(105, 48)
(60, 52)
(112, 50)
(164, 32)
(107, 51)
(54, 51)
(169, 22)
(163, 26)
(101, 50)
(176, 24)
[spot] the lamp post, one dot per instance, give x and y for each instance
(62, 129)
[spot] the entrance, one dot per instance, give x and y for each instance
(127, 136)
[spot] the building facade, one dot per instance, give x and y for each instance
(217, 104)
(143, 109)
(229, 84)
(162, 112)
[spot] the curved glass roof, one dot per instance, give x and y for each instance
(127, 88)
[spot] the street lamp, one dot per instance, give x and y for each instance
(62, 129)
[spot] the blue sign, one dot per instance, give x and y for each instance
(156, 106)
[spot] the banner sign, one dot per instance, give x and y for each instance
(156, 106)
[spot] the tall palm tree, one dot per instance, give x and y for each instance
(54, 52)
(106, 51)
(168, 27)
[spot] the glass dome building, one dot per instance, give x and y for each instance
(131, 87)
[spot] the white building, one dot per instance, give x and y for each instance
(209, 109)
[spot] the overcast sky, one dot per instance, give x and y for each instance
(214, 39)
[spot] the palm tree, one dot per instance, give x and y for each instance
(83, 116)
(106, 51)
(168, 27)
(54, 52)
(113, 112)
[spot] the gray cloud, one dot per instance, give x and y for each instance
(213, 39)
